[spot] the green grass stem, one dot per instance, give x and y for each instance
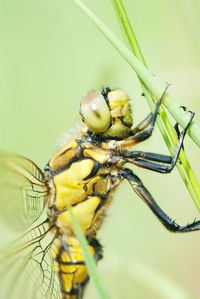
(150, 83)
(89, 260)
(164, 124)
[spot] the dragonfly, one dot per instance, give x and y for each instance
(47, 260)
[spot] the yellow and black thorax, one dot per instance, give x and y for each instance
(80, 173)
(81, 178)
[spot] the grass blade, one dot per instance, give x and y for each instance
(89, 260)
(164, 124)
(151, 82)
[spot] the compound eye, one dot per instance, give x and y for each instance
(95, 112)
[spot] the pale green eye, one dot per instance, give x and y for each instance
(95, 112)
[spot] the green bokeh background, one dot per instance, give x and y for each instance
(50, 56)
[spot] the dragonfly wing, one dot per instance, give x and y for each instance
(23, 191)
(27, 268)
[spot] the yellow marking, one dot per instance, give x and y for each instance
(99, 185)
(84, 213)
(102, 186)
(96, 154)
(63, 156)
(117, 98)
(91, 183)
(70, 280)
(121, 115)
(70, 184)
(87, 145)
(118, 129)
(73, 274)
(116, 112)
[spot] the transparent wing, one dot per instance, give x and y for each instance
(26, 267)
(23, 191)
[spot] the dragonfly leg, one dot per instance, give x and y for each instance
(176, 126)
(165, 167)
(141, 132)
(144, 194)
(156, 162)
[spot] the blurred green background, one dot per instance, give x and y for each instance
(50, 56)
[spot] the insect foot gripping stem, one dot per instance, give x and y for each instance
(145, 195)
(70, 266)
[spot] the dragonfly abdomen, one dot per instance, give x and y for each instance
(70, 266)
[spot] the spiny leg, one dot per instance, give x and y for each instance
(145, 122)
(176, 126)
(144, 194)
(140, 133)
(151, 118)
(143, 159)
(167, 165)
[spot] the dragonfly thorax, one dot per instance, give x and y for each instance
(81, 179)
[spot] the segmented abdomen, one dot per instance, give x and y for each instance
(70, 266)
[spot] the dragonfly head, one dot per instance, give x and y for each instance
(107, 113)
